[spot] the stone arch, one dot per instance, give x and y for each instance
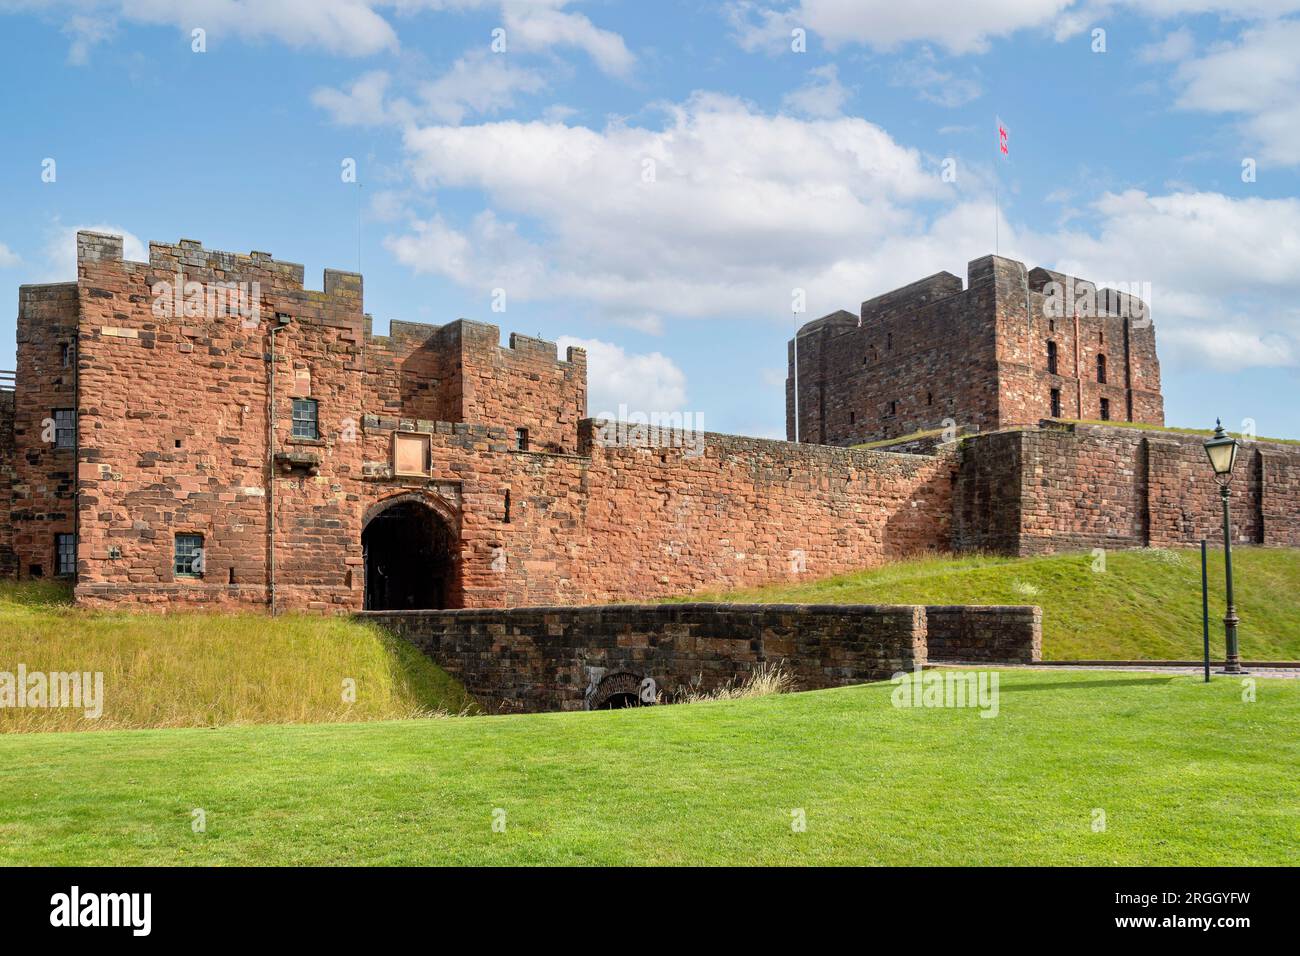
(443, 508)
(410, 544)
(615, 691)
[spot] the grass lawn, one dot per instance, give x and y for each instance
(1145, 605)
(204, 670)
(1186, 774)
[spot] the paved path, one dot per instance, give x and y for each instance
(1270, 671)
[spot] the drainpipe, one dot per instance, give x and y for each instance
(281, 322)
(1078, 372)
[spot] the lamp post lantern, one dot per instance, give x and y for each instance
(1222, 452)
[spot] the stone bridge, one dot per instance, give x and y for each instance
(575, 658)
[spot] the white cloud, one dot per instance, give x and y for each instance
(1178, 45)
(362, 104)
(938, 86)
(61, 249)
(344, 27)
(8, 258)
(823, 96)
(959, 27)
(884, 25)
(1257, 77)
(86, 32)
(479, 82)
(742, 208)
(340, 27)
(540, 26)
(1222, 271)
(644, 382)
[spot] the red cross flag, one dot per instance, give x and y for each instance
(1002, 138)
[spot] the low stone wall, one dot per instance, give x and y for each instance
(994, 634)
(571, 658)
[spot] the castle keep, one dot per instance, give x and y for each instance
(1013, 347)
(200, 429)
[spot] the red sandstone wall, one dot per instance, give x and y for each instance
(1084, 486)
(8, 559)
(931, 351)
(523, 386)
(43, 476)
(927, 348)
(1025, 328)
(174, 428)
(748, 511)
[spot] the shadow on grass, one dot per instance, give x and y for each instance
(36, 593)
(433, 686)
(1088, 685)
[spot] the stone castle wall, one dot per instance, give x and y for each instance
(176, 433)
(571, 658)
(1071, 487)
(933, 353)
(8, 558)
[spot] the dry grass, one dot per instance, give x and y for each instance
(764, 680)
(210, 670)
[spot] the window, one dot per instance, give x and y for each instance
(65, 554)
(521, 439)
(929, 398)
(1051, 325)
(1051, 358)
(1101, 369)
(507, 520)
(889, 341)
(853, 417)
(1056, 403)
(893, 408)
(65, 428)
(304, 418)
(1105, 409)
(189, 556)
(65, 355)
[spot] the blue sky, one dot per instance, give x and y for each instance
(653, 180)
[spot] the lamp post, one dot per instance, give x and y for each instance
(1222, 452)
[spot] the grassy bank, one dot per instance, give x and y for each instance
(1145, 604)
(1165, 758)
(208, 670)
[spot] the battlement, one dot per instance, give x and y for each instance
(941, 285)
(993, 352)
(190, 258)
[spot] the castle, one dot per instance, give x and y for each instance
(200, 429)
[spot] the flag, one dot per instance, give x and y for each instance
(1002, 138)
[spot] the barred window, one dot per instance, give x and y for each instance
(1056, 403)
(304, 418)
(1105, 409)
(521, 439)
(189, 556)
(65, 554)
(1051, 358)
(65, 428)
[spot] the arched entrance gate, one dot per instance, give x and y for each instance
(409, 548)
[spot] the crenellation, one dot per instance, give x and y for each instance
(437, 467)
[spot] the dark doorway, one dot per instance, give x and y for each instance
(619, 701)
(408, 555)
